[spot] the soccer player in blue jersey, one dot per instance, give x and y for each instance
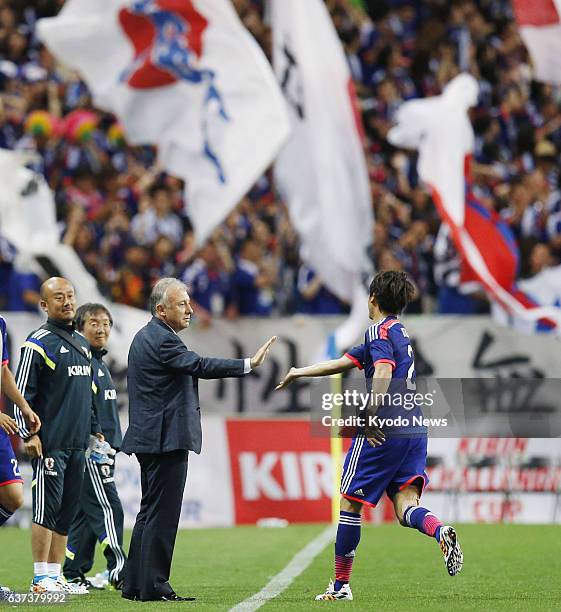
(383, 459)
(11, 482)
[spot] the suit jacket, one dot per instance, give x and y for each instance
(164, 412)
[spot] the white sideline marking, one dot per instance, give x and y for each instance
(286, 576)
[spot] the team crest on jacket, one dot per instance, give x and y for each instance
(168, 41)
(49, 467)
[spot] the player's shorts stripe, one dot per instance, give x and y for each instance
(359, 441)
(7, 482)
(108, 518)
(349, 465)
(364, 502)
(351, 468)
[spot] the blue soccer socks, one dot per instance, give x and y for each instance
(348, 537)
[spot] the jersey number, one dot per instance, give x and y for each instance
(411, 384)
(15, 468)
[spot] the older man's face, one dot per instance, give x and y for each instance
(177, 309)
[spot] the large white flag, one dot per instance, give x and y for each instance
(321, 172)
(440, 129)
(539, 22)
(186, 76)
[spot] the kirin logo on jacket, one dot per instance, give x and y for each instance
(168, 41)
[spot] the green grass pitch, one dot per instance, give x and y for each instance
(507, 567)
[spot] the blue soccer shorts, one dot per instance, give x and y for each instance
(9, 470)
(370, 470)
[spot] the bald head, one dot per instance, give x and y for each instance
(58, 299)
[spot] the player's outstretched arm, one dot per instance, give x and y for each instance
(12, 392)
(323, 368)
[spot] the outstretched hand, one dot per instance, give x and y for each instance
(262, 353)
(289, 377)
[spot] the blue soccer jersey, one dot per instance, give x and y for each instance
(387, 341)
(400, 460)
(9, 470)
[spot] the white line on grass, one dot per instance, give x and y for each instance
(285, 577)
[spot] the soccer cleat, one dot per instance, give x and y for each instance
(332, 595)
(70, 587)
(45, 585)
(5, 592)
(450, 547)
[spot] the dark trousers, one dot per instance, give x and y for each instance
(99, 519)
(162, 478)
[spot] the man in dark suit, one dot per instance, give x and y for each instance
(164, 425)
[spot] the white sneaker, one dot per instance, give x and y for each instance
(332, 595)
(70, 588)
(100, 580)
(45, 585)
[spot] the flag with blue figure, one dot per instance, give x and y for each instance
(186, 76)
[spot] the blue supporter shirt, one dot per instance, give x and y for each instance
(323, 303)
(250, 299)
(387, 341)
(208, 288)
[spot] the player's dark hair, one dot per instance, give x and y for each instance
(392, 290)
(86, 310)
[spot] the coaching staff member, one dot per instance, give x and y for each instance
(55, 377)
(100, 514)
(164, 424)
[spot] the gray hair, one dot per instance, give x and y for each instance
(160, 289)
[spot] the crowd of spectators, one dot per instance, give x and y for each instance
(128, 221)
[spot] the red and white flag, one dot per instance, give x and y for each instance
(184, 75)
(539, 22)
(322, 172)
(439, 127)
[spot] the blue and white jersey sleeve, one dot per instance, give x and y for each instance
(356, 355)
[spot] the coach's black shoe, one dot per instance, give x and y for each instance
(131, 596)
(175, 597)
